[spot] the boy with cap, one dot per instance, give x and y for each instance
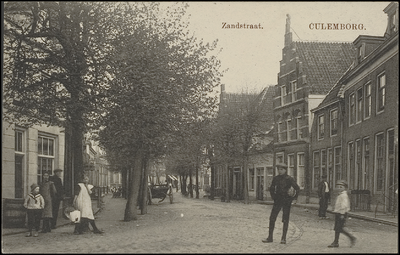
(34, 203)
(342, 206)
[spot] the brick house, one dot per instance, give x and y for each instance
(229, 174)
(366, 97)
(308, 70)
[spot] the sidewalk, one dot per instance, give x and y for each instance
(61, 221)
(364, 215)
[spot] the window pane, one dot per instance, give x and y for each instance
(51, 147)
(45, 146)
(40, 145)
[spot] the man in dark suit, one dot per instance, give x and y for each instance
(56, 178)
(324, 196)
(283, 190)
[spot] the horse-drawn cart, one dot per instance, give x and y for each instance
(160, 191)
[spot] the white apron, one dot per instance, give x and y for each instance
(84, 203)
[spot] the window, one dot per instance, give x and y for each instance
(283, 94)
(321, 126)
(323, 162)
(368, 101)
(289, 129)
(19, 164)
(351, 166)
(352, 105)
(294, 88)
(380, 167)
(366, 162)
(300, 170)
(279, 159)
(298, 127)
(18, 141)
(280, 132)
(291, 170)
(334, 122)
(330, 167)
(361, 52)
(45, 156)
(316, 169)
(338, 163)
(359, 172)
(295, 129)
(359, 104)
(381, 93)
(251, 179)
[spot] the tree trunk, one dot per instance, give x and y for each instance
(190, 183)
(124, 173)
(228, 186)
(212, 177)
(144, 186)
(131, 205)
(197, 179)
(245, 187)
(68, 168)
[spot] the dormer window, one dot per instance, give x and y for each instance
(361, 52)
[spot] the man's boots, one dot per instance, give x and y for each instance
(284, 232)
(270, 234)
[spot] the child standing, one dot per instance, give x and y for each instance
(34, 203)
(342, 206)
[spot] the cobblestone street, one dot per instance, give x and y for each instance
(204, 226)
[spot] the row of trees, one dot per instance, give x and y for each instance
(131, 71)
(132, 75)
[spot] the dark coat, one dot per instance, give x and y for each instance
(48, 191)
(59, 187)
(280, 186)
(321, 190)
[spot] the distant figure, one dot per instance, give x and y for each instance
(48, 191)
(284, 190)
(56, 178)
(342, 206)
(324, 196)
(34, 203)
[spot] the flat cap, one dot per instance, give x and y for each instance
(281, 165)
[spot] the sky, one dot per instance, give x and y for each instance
(252, 55)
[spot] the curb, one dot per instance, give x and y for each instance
(354, 215)
(61, 225)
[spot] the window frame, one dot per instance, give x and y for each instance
(321, 126)
(300, 170)
(380, 109)
(367, 100)
(316, 155)
(337, 162)
(336, 120)
(352, 109)
(42, 157)
(291, 166)
(377, 170)
(359, 105)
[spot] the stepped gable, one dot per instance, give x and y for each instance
(324, 63)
